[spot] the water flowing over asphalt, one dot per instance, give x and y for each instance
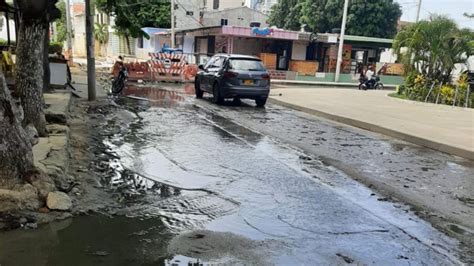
(199, 186)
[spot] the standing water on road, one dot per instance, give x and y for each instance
(198, 187)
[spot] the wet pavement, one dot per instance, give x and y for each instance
(200, 183)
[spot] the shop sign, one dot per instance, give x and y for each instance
(262, 32)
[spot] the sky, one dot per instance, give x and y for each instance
(452, 8)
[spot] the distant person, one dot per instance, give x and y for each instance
(369, 74)
(360, 69)
(119, 64)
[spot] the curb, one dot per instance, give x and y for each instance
(325, 84)
(468, 154)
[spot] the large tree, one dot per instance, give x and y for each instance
(35, 15)
(280, 11)
(16, 158)
(375, 18)
(321, 15)
(131, 16)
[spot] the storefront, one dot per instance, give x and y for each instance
(292, 55)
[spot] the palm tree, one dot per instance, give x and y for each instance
(101, 33)
(434, 47)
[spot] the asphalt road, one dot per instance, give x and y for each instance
(221, 184)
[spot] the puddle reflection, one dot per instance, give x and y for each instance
(155, 96)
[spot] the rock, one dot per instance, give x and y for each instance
(24, 197)
(58, 201)
(55, 129)
(43, 210)
(55, 118)
(44, 184)
(32, 134)
(76, 191)
(31, 226)
(100, 253)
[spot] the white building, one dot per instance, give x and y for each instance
(264, 6)
(238, 16)
(190, 13)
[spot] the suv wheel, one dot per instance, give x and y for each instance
(216, 94)
(261, 102)
(197, 89)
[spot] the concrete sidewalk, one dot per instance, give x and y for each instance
(79, 78)
(323, 83)
(444, 128)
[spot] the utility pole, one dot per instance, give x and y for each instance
(418, 11)
(341, 41)
(172, 25)
(91, 89)
(69, 32)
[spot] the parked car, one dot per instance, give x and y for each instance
(233, 76)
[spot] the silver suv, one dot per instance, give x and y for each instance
(233, 76)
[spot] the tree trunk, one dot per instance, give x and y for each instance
(47, 69)
(30, 73)
(16, 157)
(127, 39)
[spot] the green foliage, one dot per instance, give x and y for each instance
(447, 94)
(430, 50)
(292, 22)
(365, 18)
(131, 16)
(56, 47)
(101, 33)
(398, 95)
(322, 15)
(5, 43)
(434, 47)
(61, 26)
(373, 18)
(279, 15)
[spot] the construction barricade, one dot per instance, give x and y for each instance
(167, 67)
(161, 67)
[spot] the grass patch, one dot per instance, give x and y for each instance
(399, 96)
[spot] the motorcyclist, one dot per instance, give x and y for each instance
(369, 74)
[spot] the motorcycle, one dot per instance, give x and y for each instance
(119, 83)
(374, 84)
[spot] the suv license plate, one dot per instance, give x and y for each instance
(248, 82)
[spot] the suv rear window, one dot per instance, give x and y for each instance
(246, 64)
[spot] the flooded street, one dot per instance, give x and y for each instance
(235, 184)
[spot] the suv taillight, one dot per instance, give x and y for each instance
(265, 76)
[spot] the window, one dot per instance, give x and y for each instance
(218, 62)
(140, 42)
(210, 62)
(224, 22)
(215, 4)
(246, 64)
